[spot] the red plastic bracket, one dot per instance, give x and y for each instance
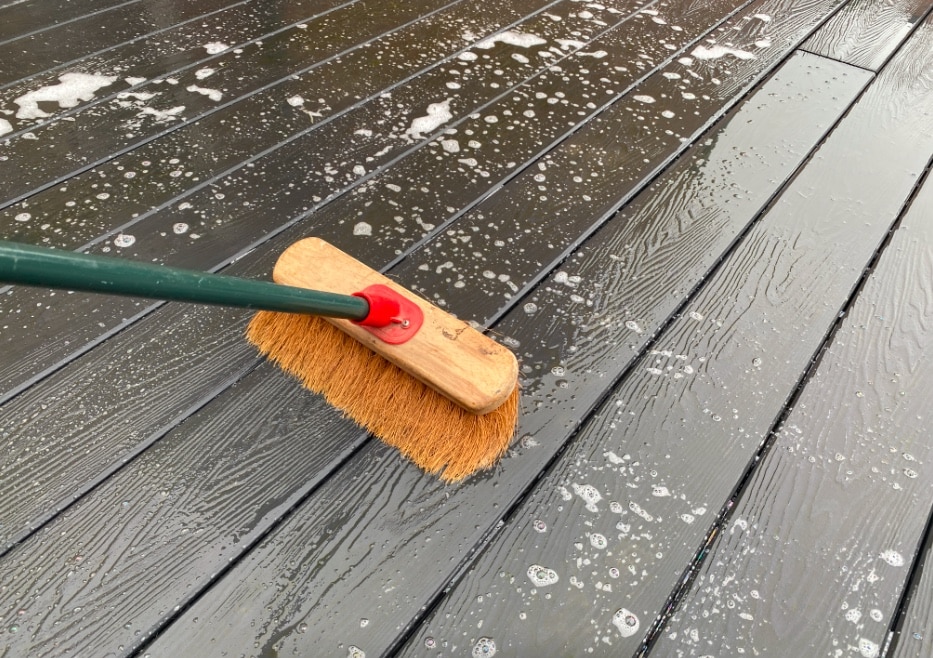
(393, 318)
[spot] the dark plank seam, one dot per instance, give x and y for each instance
(835, 59)
(894, 52)
(724, 515)
(924, 552)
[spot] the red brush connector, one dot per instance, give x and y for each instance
(392, 318)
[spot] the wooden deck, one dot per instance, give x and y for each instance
(705, 228)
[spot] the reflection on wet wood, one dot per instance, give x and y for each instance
(856, 443)
(591, 181)
(631, 503)
(866, 32)
(543, 419)
(615, 514)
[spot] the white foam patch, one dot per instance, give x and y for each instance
(513, 38)
(5, 127)
(570, 44)
(214, 94)
(163, 116)
(71, 89)
(438, 114)
(215, 47)
(626, 622)
(717, 52)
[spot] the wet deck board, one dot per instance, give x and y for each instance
(547, 417)
(913, 631)
(462, 185)
(866, 32)
(264, 154)
(170, 491)
(684, 418)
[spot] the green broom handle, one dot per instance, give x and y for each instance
(68, 270)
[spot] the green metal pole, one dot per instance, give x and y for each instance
(53, 268)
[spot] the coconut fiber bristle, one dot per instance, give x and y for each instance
(427, 428)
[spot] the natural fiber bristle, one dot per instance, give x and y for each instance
(427, 428)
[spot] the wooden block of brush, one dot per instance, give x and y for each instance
(446, 353)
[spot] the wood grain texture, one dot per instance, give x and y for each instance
(664, 453)
(215, 224)
(100, 624)
(78, 585)
(866, 32)
(856, 443)
(434, 514)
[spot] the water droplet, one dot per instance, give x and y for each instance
(867, 648)
(430, 642)
(542, 576)
(180, 228)
(484, 648)
(893, 558)
(539, 525)
(626, 622)
(355, 652)
(23, 217)
(124, 240)
(598, 541)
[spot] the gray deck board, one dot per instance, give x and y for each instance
(659, 449)
(645, 200)
(866, 32)
(286, 615)
(183, 330)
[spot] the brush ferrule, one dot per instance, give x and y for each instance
(392, 318)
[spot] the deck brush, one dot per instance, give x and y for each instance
(442, 393)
